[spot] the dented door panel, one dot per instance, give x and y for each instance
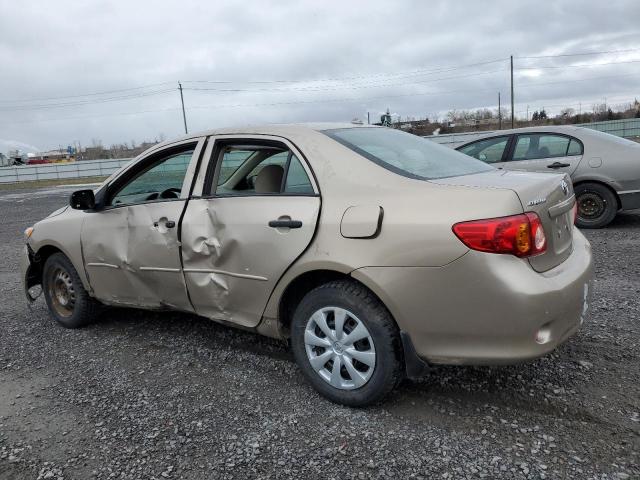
(232, 257)
(132, 257)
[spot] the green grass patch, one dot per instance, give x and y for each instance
(51, 183)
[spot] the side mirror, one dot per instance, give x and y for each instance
(83, 200)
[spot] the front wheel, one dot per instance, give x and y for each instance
(69, 303)
(597, 205)
(346, 344)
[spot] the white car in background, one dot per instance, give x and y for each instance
(605, 169)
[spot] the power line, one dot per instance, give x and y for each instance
(343, 99)
(582, 53)
(26, 104)
(425, 71)
(83, 117)
(338, 87)
(49, 106)
(87, 94)
(302, 102)
(533, 84)
(577, 66)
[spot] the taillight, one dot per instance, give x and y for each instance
(574, 211)
(520, 235)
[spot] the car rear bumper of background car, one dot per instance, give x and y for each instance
(486, 308)
(629, 200)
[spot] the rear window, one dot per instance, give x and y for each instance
(406, 154)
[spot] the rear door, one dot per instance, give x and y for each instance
(255, 214)
(544, 152)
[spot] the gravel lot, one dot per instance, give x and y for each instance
(146, 395)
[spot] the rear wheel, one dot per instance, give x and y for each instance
(346, 344)
(69, 303)
(597, 205)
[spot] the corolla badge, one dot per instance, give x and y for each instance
(536, 201)
(565, 187)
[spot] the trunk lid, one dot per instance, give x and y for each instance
(549, 195)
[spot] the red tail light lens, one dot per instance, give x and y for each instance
(575, 212)
(520, 235)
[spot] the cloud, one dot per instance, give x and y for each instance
(367, 55)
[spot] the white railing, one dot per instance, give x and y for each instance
(60, 171)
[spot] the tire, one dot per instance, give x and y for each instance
(69, 303)
(371, 382)
(597, 205)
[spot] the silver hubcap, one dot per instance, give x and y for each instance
(340, 348)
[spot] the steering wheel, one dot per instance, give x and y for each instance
(170, 193)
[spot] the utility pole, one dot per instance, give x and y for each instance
(512, 112)
(368, 119)
(499, 113)
(184, 115)
(527, 113)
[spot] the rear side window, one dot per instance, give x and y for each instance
(297, 179)
(575, 148)
(489, 150)
(406, 154)
(260, 170)
(542, 145)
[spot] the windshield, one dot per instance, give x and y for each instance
(407, 154)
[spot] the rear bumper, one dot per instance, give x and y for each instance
(484, 308)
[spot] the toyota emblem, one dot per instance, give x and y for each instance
(565, 187)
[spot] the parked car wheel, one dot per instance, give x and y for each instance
(69, 303)
(597, 205)
(346, 344)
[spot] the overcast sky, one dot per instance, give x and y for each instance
(258, 62)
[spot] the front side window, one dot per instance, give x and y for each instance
(261, 170)
(162, 180)
(541, 145)
(406, 154)
(489, 150)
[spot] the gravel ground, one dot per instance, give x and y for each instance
(147, 395)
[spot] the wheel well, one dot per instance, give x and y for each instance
(302, 285)
(37, 262)
(608, 187)
(298, 288)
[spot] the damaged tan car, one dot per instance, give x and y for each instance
(374, 252)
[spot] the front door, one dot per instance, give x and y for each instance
(544, 152)
(130, 246)
(257, 214)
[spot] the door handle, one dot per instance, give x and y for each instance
(167, 224)
(285, 224)
(558, 165)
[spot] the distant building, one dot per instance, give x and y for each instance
(52, 156)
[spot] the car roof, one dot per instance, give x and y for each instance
(284, 129)
(544, 128)
(573, 130)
